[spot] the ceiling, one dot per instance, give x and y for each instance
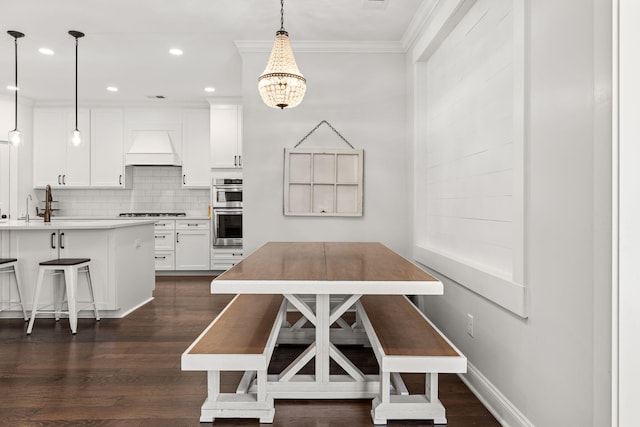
(127, 42)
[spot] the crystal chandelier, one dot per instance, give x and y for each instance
(281, 85)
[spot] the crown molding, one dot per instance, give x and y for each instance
(264, 46)
(418, 23)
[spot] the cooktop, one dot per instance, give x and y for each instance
(151, 214)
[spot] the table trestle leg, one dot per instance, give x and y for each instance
(240, 404)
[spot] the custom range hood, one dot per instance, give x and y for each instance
(152, 147)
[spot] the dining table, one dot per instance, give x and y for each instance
(322, 281)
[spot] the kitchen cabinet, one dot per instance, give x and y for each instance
(121, 260)
(33, 247)
(223, 258)
(192, 244)
(164, 236)
(226, 136)
(107, 149)
(55, 160)
(196, 171)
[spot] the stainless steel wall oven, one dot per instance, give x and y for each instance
(226, 195)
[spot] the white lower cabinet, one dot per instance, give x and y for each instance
(192, 244)
(182, 245)
(121, 269)
(164, 237)
(223, 258)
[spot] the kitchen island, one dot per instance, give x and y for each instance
(121, 253)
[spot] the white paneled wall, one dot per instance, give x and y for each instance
(155, 189)
(468, 161)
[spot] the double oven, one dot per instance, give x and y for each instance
(226, 203)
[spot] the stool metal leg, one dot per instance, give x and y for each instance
(36, 298)
(93, 299)
(71, 281)
(22, 302)
(59, 291)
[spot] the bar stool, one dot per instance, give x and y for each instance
(9, 265)
(71, 267)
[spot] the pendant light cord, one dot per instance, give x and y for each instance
(281, 15)
(15, 127)
(76, 83)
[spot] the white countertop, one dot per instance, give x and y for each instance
(128, 218)
(58, 224)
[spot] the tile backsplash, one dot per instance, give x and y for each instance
(154, 189)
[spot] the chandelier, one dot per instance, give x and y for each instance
(281, 85)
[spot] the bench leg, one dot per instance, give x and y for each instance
(237, 405)
(408, 407)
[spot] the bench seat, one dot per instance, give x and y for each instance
(404, 341)
(241, 338)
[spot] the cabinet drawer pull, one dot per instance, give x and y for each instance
(64, 177)
(161, 257)
(161, 237)
(177, 237)
(193, 225)
(61, 242)
(120, 180)
(59, 182)
(235, 160)
(184, 179)
(53, 241)
(239, 160)
(234, 254)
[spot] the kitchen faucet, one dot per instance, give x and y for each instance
(26, 216)
(48, 198)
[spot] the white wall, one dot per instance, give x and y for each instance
(628, 301)
(553, 368)
(363, 97)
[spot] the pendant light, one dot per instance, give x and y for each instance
(76, 139)
(15, 136)
(281, 85)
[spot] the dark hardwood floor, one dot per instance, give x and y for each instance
(126, 372)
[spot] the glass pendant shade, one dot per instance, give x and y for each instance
(76, 138)
(15, 137)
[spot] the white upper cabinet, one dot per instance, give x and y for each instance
(226, 136)
(196, 171)
(55, 160)
(107, 148)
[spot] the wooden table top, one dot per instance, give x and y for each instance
(326, 267)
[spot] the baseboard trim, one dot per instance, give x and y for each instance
(500, 407)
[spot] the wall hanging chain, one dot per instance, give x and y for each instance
(332, 128)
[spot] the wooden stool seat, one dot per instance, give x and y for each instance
(71, 268)
(66, 261)
(9, 265)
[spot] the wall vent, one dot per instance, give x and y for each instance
(374, 4)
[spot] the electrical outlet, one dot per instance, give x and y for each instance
(469, 324)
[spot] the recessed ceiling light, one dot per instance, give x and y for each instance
(209, 89)
(175, 51)
(11, 87)
(45, 51)
(112, 88)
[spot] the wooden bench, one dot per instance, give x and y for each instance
(241, 338)
(404, 341)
